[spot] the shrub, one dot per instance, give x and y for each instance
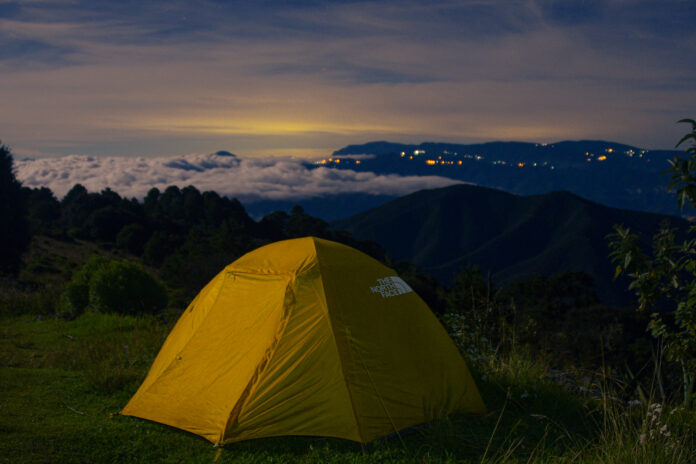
(124, 287)
(112, 286)
(75, 297)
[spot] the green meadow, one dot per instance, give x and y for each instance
(63, 383)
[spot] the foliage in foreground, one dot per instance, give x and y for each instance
(665, 281)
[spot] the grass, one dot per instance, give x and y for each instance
(62, 383)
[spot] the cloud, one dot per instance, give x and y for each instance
(247, 179)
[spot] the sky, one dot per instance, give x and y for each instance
(282, 78)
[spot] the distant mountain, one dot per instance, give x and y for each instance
(329, 207)
(445, 230)
(610, 173)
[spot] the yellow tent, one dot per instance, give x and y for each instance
(305, 337)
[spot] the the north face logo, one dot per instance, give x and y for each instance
(391, 286)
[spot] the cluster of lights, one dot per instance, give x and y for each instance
(335, 161)
(603, 157)
(520, 164)
(630, 153)
(439, 161)
(431, 162)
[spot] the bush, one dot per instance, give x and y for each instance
(112, 286)
(75, 297)
(124, 287)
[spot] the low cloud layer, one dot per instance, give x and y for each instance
(247, 179)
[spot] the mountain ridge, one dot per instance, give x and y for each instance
(511, 236)
(611, 173)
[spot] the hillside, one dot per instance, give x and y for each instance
(445, 230)
(610, 173)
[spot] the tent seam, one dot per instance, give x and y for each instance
(358, 425)
(265, 361)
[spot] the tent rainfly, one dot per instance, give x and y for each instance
(305, 337)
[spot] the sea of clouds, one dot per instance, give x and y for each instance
(247, 179)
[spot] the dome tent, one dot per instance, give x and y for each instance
(305, 337)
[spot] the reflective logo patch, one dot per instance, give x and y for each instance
(391, 286)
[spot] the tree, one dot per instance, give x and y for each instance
(43, 210)
(133, 238)
(14, 230)
(301, 224)
(665, 281)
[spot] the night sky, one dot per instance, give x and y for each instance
(305, 78)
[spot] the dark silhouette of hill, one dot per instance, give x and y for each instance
(328, 208)
(446, 230)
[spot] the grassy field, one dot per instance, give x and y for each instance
(63, 382)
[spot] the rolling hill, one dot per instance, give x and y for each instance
(510, 236)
